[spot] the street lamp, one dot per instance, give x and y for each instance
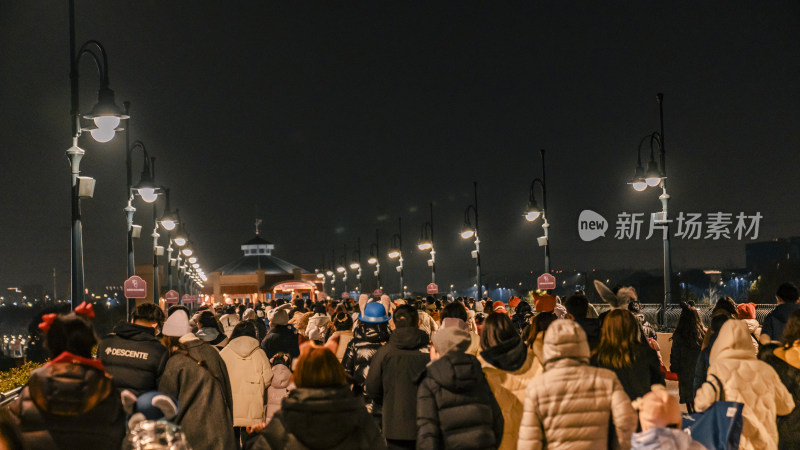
(426, 243)
(374, 252)
(342, 269)
(356, 264)
(655, 176)
(533, 212)
(397, 252)
(468, 231)
(106, 116)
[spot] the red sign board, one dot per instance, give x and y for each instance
(135, 287)
(187, 299)
(432, 289)
(290, 286)
(546, 281)
(377, 293)
(171, 296)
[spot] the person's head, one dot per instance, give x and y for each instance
(659, 409)
(725, 305)
(246, 328)
(206, 319)
(787, 293)
(618, 336)
(480, 318)
(577, 306)
(70, 333)
(455, 310)
(174, 308)
(319, 368)
(539, 324)
(497, 328)
(791, 333)
(320, 309)
(342, 321)
(716, 323)
(406, 316)
(148, 315)
(690, 325)
(231, 309)
(281, 358)
(450, 339)
(635, 307)
(746, 311)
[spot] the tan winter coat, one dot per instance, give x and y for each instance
(571, 405)
(746, 380)
(509, 390)
(250, 374)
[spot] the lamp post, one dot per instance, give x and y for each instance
(342, 269)
(534, 212)
(397, 252)
(106, 116)
(653, 177)
(374, 253)
(426, 243)
(356, 264)
(467, 232)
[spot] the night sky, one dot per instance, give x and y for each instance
(329, 121)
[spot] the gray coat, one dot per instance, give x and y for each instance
(198, 378)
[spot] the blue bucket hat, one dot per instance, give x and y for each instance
(374, 313)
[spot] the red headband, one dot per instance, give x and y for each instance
(47, 320)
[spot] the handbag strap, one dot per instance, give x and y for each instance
(721, 388)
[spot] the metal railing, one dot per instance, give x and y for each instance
(6, 398)
(652, 312)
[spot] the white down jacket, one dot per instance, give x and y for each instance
(571, 405)
(746, 380)
(278, 389)
(317, 324)
(250, 374)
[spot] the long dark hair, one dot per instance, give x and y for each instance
(791, 333)
(618, 337)
(497, 328)
(690, 327)
(539, 323)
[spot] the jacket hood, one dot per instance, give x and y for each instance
(281, 377)
(207, 334)
(243, 346)
(659, 438)
(135, 332)
(456, 372)
(68, 389)
(330, 412)
(565, 339)
(409, 338)
(733, 341)
(374, 333)
(508, 355)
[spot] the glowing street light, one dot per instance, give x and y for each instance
(467, 232)
(426, 243)
(533, 212)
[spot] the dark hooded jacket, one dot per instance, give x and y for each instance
(592, 329)
(789, 425)
(644, 371)
(455, 406)
(133, 356)
(325, 418)
(683, 361)
(281, 339)
(367, 339)
(776, 320)
(392, 380)
(522, 316)
(198, 378)
(68, 405)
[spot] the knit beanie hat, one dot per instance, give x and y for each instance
(658, 409)
(746, 310)
(451, 339)
(544, 303)
(280, 317)
(177, 324)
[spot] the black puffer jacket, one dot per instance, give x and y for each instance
(522, 317)
(367, 339)
(789, 425)
(133, 356)
(281, 339)
(69, 405)
(683, 361)
(329, 418)
(392, 380)
(455, 406)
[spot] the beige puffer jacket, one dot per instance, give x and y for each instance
(509, 390)
(746, 380)
(571, 405)
(250, 374)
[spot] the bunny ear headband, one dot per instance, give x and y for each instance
(620, 300)
(84, 309)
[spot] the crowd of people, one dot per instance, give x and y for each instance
(419, 373)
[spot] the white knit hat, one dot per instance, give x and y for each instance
(177, 324)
